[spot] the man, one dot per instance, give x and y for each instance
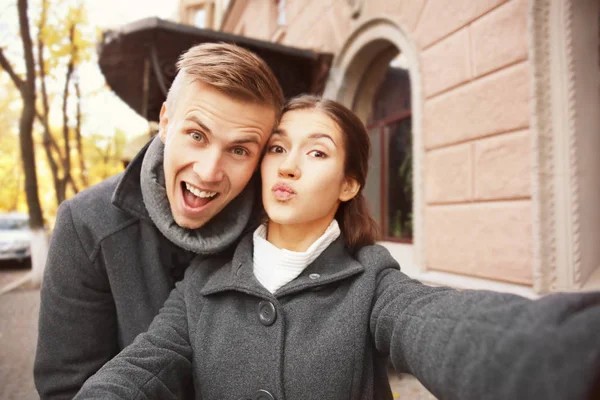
(119, 247)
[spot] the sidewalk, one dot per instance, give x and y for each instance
(18, 335)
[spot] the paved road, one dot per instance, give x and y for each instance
(18, 335)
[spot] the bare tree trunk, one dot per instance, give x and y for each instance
(82, 169)
(67, 161)
(36, 220)
(44, 117)
(17, 175)
(39, 245)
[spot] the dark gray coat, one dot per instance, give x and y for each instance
(108, 273)
(329, 335)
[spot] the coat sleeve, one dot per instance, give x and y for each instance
(157, 365)
(486, 345)
(77, 331)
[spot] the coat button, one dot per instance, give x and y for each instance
(263, 395)
(266, 313)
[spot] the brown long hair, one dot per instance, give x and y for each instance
(357, 225)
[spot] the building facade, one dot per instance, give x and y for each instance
(485, 127)
(204, 14)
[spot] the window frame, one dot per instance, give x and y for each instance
(381, 125)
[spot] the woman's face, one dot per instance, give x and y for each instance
(302, 171)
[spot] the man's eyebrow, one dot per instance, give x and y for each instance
(248, 139)
(196, 120)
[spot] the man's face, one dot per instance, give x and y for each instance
(213, 144)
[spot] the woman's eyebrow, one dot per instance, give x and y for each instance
(322, 136)
(316, 135)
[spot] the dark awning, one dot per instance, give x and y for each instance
(138, 61)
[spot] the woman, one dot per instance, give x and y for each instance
(309, 308)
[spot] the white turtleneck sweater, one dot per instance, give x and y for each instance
(274, 267)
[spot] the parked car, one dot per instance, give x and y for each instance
(15, 237)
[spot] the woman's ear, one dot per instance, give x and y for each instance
(350, 188)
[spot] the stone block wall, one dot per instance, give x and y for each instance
(475, 75)
(475, 81)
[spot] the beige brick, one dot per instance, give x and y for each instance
(448, 174)
(447, 63)
(339, 28)
(500, 37)
(259, 20)
(306, 28)
(294, 7)
(503, 166)
(441, 17)
(406, 12)
(485, 240)
(495, 103)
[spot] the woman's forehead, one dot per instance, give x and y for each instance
(306, 122)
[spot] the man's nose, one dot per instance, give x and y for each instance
(289, 168)
(208, 167)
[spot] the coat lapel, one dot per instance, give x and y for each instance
(128, 193)
(333, 265)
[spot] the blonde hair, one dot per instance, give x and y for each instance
(232, 70)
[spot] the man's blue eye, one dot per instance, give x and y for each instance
(238, 151)
(197, 136)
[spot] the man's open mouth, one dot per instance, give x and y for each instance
(195, 197)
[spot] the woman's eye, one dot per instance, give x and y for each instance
(239, 151)
(317, 154)
(275, 149)
(197, 136)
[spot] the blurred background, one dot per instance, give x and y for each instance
(483, 117)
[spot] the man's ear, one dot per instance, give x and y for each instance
(163, 123)
(350, 188)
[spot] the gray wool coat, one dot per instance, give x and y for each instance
(108, 273)
(330, 333)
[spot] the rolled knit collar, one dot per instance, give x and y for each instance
(216, 235)
(275, 267)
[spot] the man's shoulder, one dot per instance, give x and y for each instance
(97, 196)
(93, 213)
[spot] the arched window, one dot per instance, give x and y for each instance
(385, 93)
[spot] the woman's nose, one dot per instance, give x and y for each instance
(289, 169)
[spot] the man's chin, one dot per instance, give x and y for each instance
(188, 223)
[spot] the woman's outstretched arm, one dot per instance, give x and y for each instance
(487, 345)
(157, 365)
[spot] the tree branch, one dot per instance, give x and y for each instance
(50, 138)
(48, 141)
(5, 64)
(27, 46)
(41, 64)
(82, 169)
(70, 67)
